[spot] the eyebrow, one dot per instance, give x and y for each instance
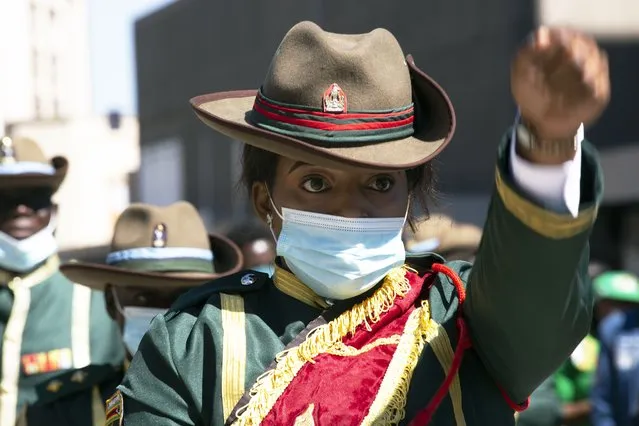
(296, 165)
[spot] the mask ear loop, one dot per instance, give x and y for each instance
(269, 216)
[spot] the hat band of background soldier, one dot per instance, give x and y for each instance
(26, 167)
(163, 259)
(346, 127)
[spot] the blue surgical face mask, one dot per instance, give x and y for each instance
(267, 268)
(24, 255)
(338, 257)
(137, 320)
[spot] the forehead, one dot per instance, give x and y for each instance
(287, 165)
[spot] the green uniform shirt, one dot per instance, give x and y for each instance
(58, 343)
(529, 303)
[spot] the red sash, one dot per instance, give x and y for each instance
(356, 369)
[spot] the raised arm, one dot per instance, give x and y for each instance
(529, 297)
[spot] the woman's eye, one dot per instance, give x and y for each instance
(382, 184)
(315, 184)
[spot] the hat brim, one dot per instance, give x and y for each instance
(227, 260)
(38, 180)
(228, 113)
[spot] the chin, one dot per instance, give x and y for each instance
(20, 234)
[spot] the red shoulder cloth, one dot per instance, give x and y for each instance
(358, 366)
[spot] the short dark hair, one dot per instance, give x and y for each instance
(259, 165)
(247, 232)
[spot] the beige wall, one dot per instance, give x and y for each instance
(96, 189)
(45, 94)
(606, 19)
(45, 70)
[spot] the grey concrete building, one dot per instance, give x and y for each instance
(197, 46)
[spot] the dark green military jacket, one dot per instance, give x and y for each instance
(60, 351)
(528, 304)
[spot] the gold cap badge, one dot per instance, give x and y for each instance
(334, 99)
(79, 376)
(7, 153)
(159, 235)
(54, 386)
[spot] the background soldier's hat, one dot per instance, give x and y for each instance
(441, 234)
(338, 100)
(159, 246)
(23, 164)
(619, 286)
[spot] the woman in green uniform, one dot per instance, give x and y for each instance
(339, 142)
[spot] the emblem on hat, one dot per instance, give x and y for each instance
(7, 153)
(334, 99)
(159, 236)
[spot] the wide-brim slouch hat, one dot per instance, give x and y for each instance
(338, 100)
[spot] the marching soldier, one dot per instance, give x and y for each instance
(339, 141)
(157, 253)
(61, 352)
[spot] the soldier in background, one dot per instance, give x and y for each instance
(60, 350)
(157, 254)
(615, 391)
(257, 245)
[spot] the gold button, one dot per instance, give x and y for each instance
(78, 376)
(54, 386)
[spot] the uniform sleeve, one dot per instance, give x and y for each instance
(153, 390)
(529, 299)
(602, 390)
(545, 407)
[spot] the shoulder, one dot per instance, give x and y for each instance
(199, 309)
(240, 283)
(443, 295)
(189, 336)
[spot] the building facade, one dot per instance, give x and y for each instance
(45, 94)
(196, 46)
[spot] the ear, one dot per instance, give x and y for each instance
(109, 302)
(261, 201)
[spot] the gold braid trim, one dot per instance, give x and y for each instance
(270, 385)
(340, 349)
(388, 408)
(544, 222)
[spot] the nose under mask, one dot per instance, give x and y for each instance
(338, 257)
